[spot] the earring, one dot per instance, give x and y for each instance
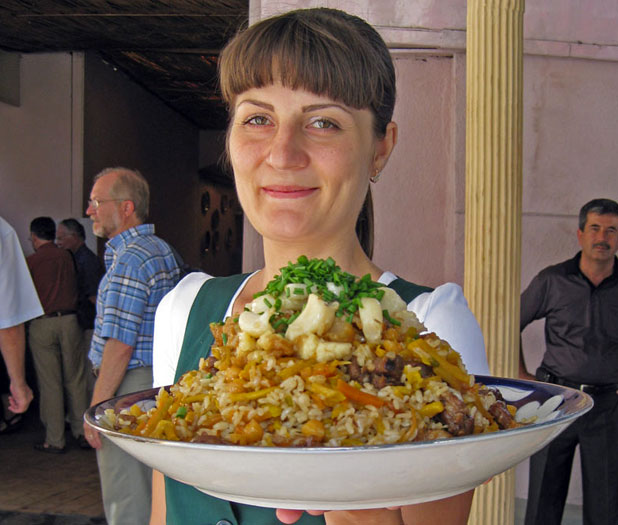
(376, 176)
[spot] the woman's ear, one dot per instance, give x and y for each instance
(384, 146)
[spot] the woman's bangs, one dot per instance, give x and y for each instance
(297, 63)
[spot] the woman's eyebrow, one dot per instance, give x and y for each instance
(305, 109)
(258, 103)
(317, 107)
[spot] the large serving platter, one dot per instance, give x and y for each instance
(355, 477)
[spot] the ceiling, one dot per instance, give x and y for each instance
(170, 47)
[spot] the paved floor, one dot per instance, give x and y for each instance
(35, 483)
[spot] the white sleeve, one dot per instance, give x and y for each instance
(19, 301)
(170, 324)
(445, 311)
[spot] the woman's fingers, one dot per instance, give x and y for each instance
(292, 516)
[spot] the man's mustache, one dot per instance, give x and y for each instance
(601, 245)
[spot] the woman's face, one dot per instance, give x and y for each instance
(302, 162)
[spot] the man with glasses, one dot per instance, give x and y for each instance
(141, 269)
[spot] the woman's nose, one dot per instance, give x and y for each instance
(287, 149)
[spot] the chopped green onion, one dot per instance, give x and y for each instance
(224, 337)
(314, 276)
(390, 319)
(182, 412)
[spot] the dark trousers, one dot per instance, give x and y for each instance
(550, 469)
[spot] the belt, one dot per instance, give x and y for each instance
(58, 313)
(543, 374)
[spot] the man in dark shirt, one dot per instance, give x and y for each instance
(55, 338)
(71, 236)
(579, 301)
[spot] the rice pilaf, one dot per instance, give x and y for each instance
(322, 358)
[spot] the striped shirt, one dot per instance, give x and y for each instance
(141, 269)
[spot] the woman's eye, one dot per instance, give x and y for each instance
(324, 124)
(257, 120)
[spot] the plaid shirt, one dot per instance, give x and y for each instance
(141, 269)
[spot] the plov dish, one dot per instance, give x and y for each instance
(325, 400)
(322, 358)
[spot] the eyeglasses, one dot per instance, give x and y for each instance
(95, 203)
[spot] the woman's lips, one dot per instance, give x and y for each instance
(288, 192)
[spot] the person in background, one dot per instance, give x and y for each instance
(141, 269)
(578, 299)
(19, 303)
(71, 236)
(311, 95)
(55, 339)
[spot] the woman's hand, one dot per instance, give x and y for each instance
(346, 517)
(289, 516)
(451, 511)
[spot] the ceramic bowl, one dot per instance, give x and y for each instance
(355, 477)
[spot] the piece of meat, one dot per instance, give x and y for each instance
(455, 415)
(430, 435)
(389, 366)
(497, 394)
(379, 381)
(209, 365)
(383, 371)
(357, 372)
(208, 439)
(502, 415)
(426, 370)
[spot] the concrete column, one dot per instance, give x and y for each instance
(493, 203)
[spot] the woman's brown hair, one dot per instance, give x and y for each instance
(324, 51)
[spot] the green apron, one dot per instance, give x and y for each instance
(185, 504)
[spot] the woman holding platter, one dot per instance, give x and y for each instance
(311, 96)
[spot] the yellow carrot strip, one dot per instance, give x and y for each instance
(194, 399)
(339, 409)
(135, 410)
(354, 394)
(165, 401)
(165, 428)
(431, 409)
(250, 396)
(326, 392)
(294, 369)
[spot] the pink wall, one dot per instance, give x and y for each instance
(414, 200)
(35, 144)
